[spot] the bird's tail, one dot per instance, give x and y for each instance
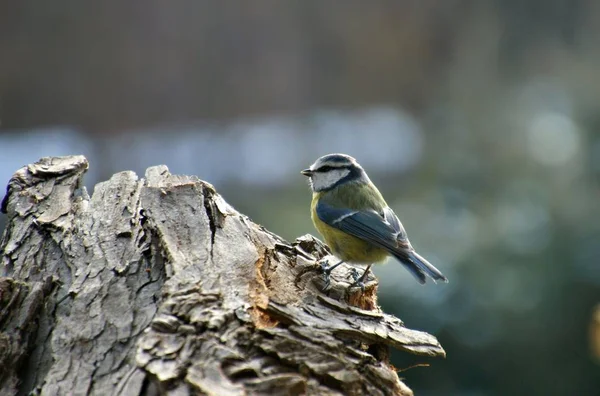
(419, 267)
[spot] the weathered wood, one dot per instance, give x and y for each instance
(158, 286)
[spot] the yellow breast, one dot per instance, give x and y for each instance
(347, 247)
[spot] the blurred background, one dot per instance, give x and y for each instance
(478, 120)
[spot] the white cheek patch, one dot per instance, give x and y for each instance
(321, 181)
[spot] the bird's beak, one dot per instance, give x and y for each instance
(307, 172)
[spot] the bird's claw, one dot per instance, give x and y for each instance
(359, 280)
(326, 270)
(358, 283)
(355, 275)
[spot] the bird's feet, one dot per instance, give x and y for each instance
(326, 270)
(359, 281)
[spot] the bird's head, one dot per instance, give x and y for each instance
(332, 170)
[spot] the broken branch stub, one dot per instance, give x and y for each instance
(157, 285)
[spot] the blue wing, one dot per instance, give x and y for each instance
(367, 225)
(383, 230)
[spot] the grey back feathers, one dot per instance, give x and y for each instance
(332, 170)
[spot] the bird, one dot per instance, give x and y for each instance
(357, 224)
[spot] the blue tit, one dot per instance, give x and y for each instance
(356, 222)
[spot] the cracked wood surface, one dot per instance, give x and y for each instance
(158, 286)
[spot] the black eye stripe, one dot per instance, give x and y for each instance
(331, 165)
(325, 168)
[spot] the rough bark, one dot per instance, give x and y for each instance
(158, 286)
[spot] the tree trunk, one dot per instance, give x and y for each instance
(158, 286)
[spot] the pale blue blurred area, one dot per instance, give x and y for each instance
(261, 152)
(479, 122)
(19, 148)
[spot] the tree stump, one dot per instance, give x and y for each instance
(158, 286)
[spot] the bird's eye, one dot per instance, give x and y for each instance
(325, 168)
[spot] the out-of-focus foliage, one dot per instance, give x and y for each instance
(478, 121)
